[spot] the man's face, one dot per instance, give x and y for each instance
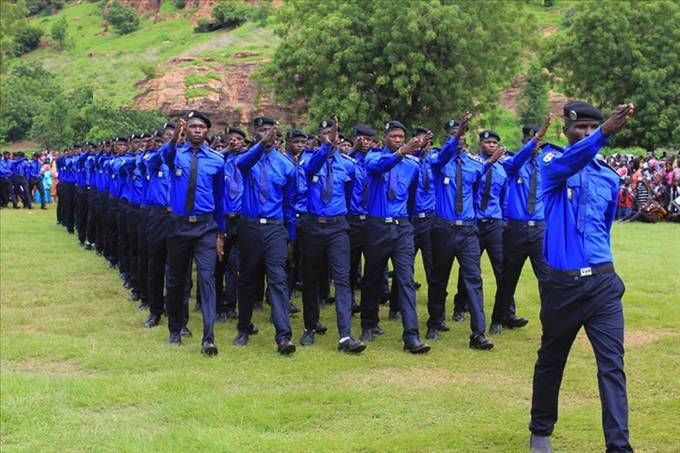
(197, 131)
(157, 142)
(261, 131)
(312, 143)
(167, 134)
(146, 142)
(296, 146)
(578, 130)
(345, 147)
(323, 133)
(461, 141)
(394, 139)
(135, 144)
(488, 146)
(236, 141)
(121, 147)
(364, 143)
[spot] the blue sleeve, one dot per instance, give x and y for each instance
(218, 194)
(289, 194)
(573, 160)
(514, 163)
(168, 151)
(314, 164)
(154, 160)
(247, 160)
(381, 162)
(438, 160)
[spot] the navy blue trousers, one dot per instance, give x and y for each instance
(324, 245)
(451, 242)
(263, 248)
(569, 303)
(490, 236)
(184, 241)
(383, 241)
(226, 271)
(520, 241)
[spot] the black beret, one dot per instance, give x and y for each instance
(295, 133)
(529, 130)
(451, 123)
(420, 130)
(581, 110)
(168, 125)
(145, 135)
(487, 133)
(158, 132)
(344, 139)
(394, 124)
(120, 139)
(88, 143)
(363, 130)
(235, 130)
(199, 116)
(326, 123)
(263, 120)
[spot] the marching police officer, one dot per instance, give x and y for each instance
(392, 175)
(267, 211)
(582, 289)
(196, 190)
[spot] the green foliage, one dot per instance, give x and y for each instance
(191, 93)
(44, 6)
(27, 39)
(13, 19)
(431, 61)
(533, 97)
(122, 17)
(149, 70)
(194, 79)
(611, 52)
(59, 32)
(226, 14)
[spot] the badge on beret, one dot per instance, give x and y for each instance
(258, 122)
(532, 133)
(573, 115)
(190, 115)
(324, 123)
(452, 123)
(548, 157)
(486, 134)
(387, 126)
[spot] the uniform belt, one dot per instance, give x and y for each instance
(159, 209)
(192, 218)
(392, 220)
(425, 215)
(360, 217)
(262, 220)
(327, 220)
(133, 205)
(460, 222)
(529, 223)
(123, 200)
(233, 215)
(489, 221)
(583, 272)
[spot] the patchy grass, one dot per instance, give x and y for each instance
(197, 79)
(80, 373)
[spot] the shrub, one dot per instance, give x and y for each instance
(149, 70)
(59, 32)
(123, 18)
(27, 39)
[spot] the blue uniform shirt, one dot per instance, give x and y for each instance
(379, 165)
(158, 177)
(425, 198)
(300, 203)
(5, 168)
(519, 184)
(316, 169)
(209, 181)
(444, 165)
(280, 186)
(359, 197)
(579, 194)
(34, 168)
(233, 185)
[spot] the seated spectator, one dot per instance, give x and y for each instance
(625, 200)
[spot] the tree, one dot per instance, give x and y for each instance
(122, 17)
(59, 32)
(533, 97)
(12, 20)
(417, 61)
(27, 39)
(625, 51)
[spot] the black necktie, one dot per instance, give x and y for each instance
(487, 188)
(364, 191)
(426, 175)
(193, 176)
(459, 184)
(264, 170)
(327, 193)
(531, 205)
(392, 184)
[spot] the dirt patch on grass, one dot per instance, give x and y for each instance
(423, 378)
(632, 338)
(64, 367)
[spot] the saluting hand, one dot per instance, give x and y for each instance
(464, 124)
(334, 135)
(268, 139)
(544, 128)
(618, 120)
(500, 152)
(179, 131)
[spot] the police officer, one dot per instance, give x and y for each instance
(523, 233)
(454, 232)
(330, 176)
(20, 171)
(196, 191)
(6, 189)
(392, 175)
(35, 179)
(267, 224)
(582, 289)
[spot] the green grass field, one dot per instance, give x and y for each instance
(80, 373)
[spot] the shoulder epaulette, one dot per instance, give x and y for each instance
(476, 158)
(349, 158)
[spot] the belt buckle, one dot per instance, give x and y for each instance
(458, 222)
(193, 219)
(263, 221)
(421, 215)
(322, 219)
(531, 223)
(396, 221)
(168, 209)
(585, 272)
(362, 217)
(389, 219)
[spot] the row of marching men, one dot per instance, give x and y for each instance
(302, 210)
